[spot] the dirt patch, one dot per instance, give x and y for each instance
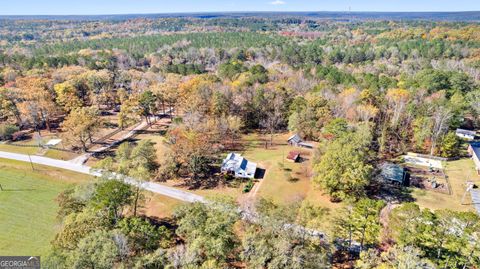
(428, 179)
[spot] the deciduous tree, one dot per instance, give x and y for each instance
(343, 171)
(208, 230)
(80, 125)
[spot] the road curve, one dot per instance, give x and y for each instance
(149, 186)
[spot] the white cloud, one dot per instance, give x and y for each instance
(278, 3)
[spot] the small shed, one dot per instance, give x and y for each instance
(394, 173)
(294, 140)
(466, 134)
(294, 156)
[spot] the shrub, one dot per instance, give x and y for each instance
(7, 131)
(248, 187)
(228, 177)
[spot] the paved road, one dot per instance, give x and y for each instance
(150, 186)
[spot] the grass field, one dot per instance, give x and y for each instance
(158, 139)
(21, 150)
(275, 184)
(60, 155)
(159, 206)
(50, 153)
(27, 208)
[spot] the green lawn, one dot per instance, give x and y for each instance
(159, 206)
(27, 207)
(20, 150)
(276, 185)
(50, 153)
(60, 155)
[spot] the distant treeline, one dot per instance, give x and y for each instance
(339, 15)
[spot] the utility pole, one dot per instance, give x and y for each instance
(469, 188)
(31, 163)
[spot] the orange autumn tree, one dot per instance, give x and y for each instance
(80, 125)
(191, 153)
(37, 105)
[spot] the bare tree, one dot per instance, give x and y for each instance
(397, 103)
(273, 116)
(441, 118)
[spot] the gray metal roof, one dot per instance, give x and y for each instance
(236, 163)
(476, 199)
(393, 172)
(294, 138)
(465, 132)
(476, 149)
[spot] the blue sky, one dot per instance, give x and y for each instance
(85, 7)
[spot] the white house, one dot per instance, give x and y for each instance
(466, 134)
(239, 166)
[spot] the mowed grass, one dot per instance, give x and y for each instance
(27, 206)
(458, 173)
(60, 155)
(159, 206)
(276, 184)
(20, 150)
(50, 153)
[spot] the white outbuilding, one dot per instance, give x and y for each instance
(466, 134)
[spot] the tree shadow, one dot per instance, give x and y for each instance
(303, 159)
(168, 222)
(152, 132)
(237, 145)
(104, 154)
(390, 192)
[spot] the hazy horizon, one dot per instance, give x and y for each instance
(235, 12)
(123, 7)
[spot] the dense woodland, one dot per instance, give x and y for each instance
(365, 90)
